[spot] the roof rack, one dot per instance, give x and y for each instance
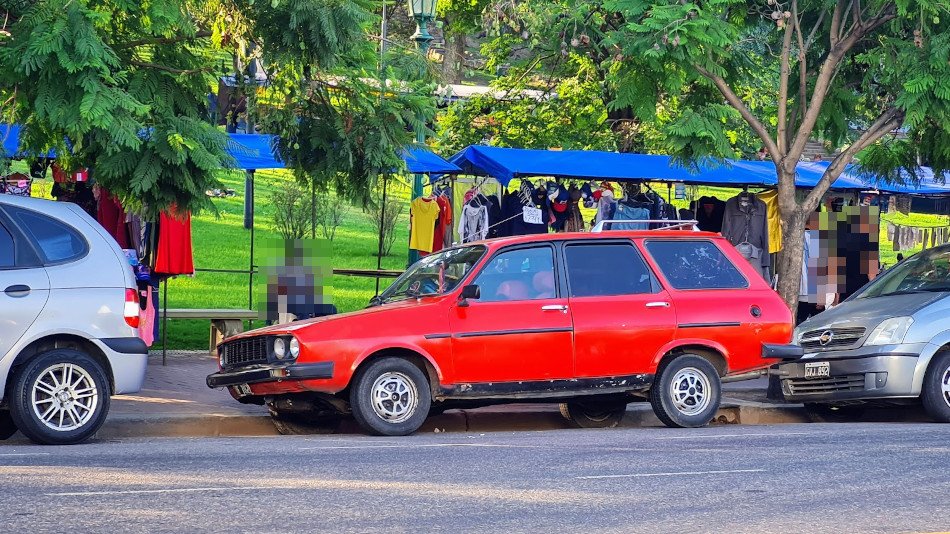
(669, 225)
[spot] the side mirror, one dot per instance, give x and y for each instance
(471, 291)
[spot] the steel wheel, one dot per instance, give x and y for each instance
(64, 397)
(394, 397)
(689, 390)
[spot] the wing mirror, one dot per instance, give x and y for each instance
(471, 291)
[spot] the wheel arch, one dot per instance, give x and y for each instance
(926, 360)
(716, 355)
(61, 341)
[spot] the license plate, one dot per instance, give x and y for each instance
(243, 390)
(817, 369)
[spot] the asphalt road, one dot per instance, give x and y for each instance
(790, 478)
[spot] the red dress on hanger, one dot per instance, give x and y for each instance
(112, 217)
(173, 255)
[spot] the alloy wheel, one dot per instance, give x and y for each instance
(395, 397)
(64, 397)
(690, 391)
(945, 386)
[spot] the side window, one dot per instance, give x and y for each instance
(602, 270)
(6, 249)
(523, 274)
(57, 241)
(695, 265)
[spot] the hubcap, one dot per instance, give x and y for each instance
(945, 386)
(394, 397)
(64, 397)
(690, 391)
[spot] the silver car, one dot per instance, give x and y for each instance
(68, 318)
(889, 343)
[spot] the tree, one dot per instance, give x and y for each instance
(850, 72)
(121, 87)
(460, 18)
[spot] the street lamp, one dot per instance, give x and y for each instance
(423, 11)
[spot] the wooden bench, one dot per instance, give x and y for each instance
(224, 323)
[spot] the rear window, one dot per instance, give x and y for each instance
(695, 265)
(6, 248)
(58, 242)
(602, 270)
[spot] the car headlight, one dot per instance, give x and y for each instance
(890, 331)
(221, 356)
(294, 348)
(280, 348)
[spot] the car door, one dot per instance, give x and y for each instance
(622, 316)
(520, 328)
(24, 286)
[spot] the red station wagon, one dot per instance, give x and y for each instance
(592, 320)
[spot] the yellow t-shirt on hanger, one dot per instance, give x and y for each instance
(423, 214)
(775, 222)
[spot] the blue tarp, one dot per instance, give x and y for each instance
(255, 151)
(506, 164)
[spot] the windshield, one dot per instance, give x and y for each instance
(434, 275)
(926, 272)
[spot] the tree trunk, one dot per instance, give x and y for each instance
(790, 260)
(453, 61)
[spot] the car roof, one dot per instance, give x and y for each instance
(591, 236)
(49, 207)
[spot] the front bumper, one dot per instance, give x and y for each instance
(270, 373)
(859, 374)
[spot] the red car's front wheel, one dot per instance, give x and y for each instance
(390, 397)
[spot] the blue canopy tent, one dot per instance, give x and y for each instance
(505, 164)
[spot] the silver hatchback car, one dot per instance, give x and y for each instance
(68, 318)
(889, 343)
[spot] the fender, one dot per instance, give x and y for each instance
(938, 342)
(696, 342)
(29, 338)
(381, 346)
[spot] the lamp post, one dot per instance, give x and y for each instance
(423, 11)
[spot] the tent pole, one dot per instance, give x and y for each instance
(382, 222)
(250, 269)
(164, 321)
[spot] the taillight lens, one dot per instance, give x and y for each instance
(132, 308)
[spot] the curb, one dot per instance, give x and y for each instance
(531, 418)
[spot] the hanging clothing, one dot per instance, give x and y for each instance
(423, 212)
(606, 206)
(173, 254)
(575, 220)
(112, 217)
(494, 216)
(775, 221)
(626, 212)
(17, 184)
(443, 223)
(745, 224)
(473, 223)
(709, 214)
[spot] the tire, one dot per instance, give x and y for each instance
(7, 426)
(936, 391)
(594, 413)
(384, 379)
(74, 412)
(686, 392)
(828, 413)
(297, 425)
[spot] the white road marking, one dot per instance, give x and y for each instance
(169, 490)
(673, 474)
(704, 436)
(25, 454)
(420, 446)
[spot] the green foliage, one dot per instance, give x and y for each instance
(572, 116)
(131, 112)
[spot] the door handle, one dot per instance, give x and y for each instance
(554, 307)
(18, 290)
(658, 304)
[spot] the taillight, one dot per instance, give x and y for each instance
(132, 308)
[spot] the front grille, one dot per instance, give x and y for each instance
(244, 351)
(841, 338)
(802, 386)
